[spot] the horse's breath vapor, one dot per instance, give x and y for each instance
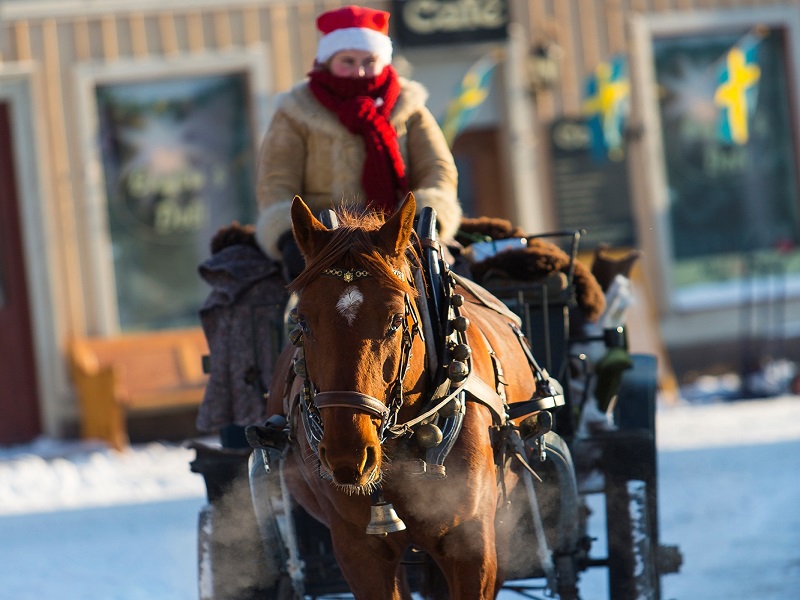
(349, 303)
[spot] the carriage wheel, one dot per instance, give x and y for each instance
(629, 463)
(629, 459)
(632, 568)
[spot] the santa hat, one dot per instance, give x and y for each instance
(354, 28)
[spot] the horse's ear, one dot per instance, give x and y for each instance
(394, 235)
(308, 231)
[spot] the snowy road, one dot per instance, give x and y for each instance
(81, 522)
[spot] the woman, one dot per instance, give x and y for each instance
(353, 132)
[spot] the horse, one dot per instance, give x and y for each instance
(367, 410)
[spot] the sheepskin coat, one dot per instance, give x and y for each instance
(308, 152)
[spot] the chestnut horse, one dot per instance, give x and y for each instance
(356, 385)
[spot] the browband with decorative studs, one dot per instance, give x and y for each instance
(348, 275)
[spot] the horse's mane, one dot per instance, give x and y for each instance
(351, 246)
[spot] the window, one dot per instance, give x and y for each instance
(716, 169)
(732, 184)
(177, 160)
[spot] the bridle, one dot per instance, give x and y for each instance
(311, 400)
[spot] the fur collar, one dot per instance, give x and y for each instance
(301, 106)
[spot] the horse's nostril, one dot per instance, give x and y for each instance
(370, 458)
(322, 459)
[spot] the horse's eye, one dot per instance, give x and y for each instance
(396, 324)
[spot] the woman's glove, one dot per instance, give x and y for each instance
(293, 261)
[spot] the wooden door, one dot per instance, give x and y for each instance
(19, 401)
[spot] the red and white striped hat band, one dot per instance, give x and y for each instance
(354, 28)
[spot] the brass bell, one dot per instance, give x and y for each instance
(457, 300)
(428, 435)
(461, 352)
(460, 323)
(451, 409)
(457, 371)
(383, 519)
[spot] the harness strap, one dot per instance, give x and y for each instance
(354, 400)
(482, 392)
(492, 397)
(404, 428)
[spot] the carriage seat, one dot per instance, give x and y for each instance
(143, 373)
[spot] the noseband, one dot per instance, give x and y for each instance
(312, 401)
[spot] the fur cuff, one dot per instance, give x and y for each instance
(273, 222)
(447, 207)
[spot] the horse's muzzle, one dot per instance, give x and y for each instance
(351, 456)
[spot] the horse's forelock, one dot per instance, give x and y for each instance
(351, 246)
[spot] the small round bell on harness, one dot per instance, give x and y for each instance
(428, 435)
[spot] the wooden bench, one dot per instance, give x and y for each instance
(135, 373)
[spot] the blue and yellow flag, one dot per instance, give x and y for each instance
(737, 90)
(606, 107)
(471, 92)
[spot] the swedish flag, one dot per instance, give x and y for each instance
(606, 106)
(737, 90)
(472, 91)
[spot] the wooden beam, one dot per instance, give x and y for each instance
(23, 38)
(138, 29)
(169, 36)
(108, 27)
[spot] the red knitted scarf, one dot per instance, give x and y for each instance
(357, 104)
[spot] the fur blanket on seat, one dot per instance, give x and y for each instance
(538, 262)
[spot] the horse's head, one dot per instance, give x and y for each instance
(356, 319)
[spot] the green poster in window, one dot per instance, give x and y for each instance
(178, 165)
(730, 156)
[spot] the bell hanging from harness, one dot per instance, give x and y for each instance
(383, 518)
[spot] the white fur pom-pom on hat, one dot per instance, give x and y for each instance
(354, 28)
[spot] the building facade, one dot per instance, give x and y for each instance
(128, 132)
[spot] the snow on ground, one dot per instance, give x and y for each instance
(49, 475)
(79, 521)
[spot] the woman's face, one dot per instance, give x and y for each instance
(355, 63)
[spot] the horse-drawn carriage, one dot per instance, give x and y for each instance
(429, 437)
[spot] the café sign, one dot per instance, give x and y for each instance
(438, 22)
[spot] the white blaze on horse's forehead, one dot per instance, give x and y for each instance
(349, 303)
